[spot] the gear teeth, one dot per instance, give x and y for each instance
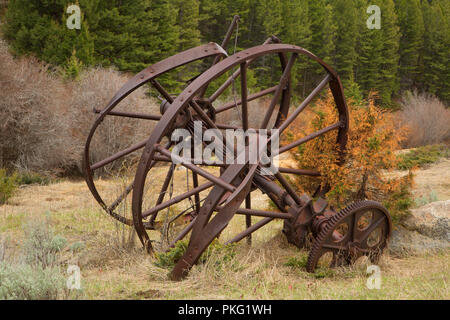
(314, 254)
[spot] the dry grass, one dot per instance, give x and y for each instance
(115, 267)
(427, 119)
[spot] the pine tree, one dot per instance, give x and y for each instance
(435, 54)
(411, 41)
(323, 29)
(39, 27)
(296, 29)
(391, 40)
(187, 21)
(345, 15)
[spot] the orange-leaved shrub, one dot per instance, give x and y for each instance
(372, 140)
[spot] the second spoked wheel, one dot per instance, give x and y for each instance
(216, 191)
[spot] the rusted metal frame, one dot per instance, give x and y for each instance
(250, 230)
(167, 159)
(283, 81)
(203, 114)
(279, 196)
(131, 115)
(248, 218)
(304, 104)
(114, 205)
(251, 97)
(137, 81)
(366, 233)
(118, 155)
(180, 102)
(224, 45)
(287, 186)
(310, 137)
(163, 191)
(196, 169)
(177, 199)
(230, 80)
(285, 102)
(183, 233)
(260, 213)
(204, 232)
(161, 90)
(300, 172)
(244, 100)
(227, 126)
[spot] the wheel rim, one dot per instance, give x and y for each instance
(186, 100)
(147, 75)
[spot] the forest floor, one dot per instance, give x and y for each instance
(268, 269)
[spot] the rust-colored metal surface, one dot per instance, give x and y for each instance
(216, 192)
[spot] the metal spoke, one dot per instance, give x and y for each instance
(305, 103)
(309, 137)
(283, 81)
(251, 97)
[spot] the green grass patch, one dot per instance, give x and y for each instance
(217, 251)
(8, 185)
(422, 156)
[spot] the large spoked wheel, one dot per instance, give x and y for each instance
(149, 75)
(224, 190)
(361, 229)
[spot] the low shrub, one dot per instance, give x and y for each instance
(41, 247)
(25, 282)
(427, 118)
(422, 156)
(37, 273)
(8, 184)
(372, 141)
(29, 177)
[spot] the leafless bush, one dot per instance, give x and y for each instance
(427, 118)
(45, 120)
(94, 90)
(29, 129)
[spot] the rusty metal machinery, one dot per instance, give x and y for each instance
(218, 192)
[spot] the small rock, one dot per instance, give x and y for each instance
(431, 220)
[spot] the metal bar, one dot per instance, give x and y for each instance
(203, 114)
(301, 172)
(163, 191)
(161, 90)
(224, 46)
(305, 102)
(177, 199)
(183, 233)
(228, 82)
(251, 97)
(286, 185)
(120, 198)
(196, 169)
(244, 96)
(310, 137)
(260, 213)
(284, 79)
(131, 115)
(248, 218)
(118, 155)
(250, 230)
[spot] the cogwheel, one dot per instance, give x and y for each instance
(361, 229)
